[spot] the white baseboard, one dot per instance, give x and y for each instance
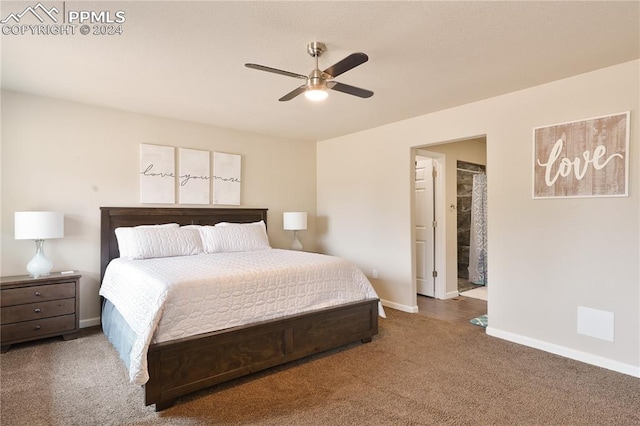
(609, 364)
(452, 294)
(403, 308)
(90, 322)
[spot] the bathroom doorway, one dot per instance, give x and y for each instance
(471, 262)
(473, 151)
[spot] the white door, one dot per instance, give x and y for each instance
(425, 227)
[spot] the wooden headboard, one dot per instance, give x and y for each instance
(114, 217)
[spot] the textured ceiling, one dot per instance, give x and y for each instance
(186, 59)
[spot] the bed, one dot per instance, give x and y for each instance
(182, 365)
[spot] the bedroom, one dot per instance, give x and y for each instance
(82, 155)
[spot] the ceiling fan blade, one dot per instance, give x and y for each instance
(275, 71)
(351, 90)
(346, 64)
(293, 93)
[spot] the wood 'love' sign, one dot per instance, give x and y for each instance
(587, 158)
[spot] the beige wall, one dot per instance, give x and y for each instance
(472, 151)
(74, 158)
(547, 257)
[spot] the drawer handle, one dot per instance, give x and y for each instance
(37, 293)
(37, 310)
(37, 327)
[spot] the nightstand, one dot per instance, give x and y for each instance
(35, 308)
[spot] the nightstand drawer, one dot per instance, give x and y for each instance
(38, 293)
(31, 311)
(35, 328)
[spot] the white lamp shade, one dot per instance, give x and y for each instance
(294, 221)
(38, 225)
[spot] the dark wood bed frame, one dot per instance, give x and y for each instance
(182, 366)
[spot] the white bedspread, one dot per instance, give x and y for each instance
(168, 298)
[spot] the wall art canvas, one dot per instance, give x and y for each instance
(588, 158)
(195, 177)
(226, 178)
(157, 174)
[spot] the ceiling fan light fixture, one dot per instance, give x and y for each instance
(316, 87)
(316, 94)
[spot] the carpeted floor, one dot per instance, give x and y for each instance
(417, 371)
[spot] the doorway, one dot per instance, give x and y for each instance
(466, 173)
(472, 150)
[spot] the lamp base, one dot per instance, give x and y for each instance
(296, 245)
(39, 266)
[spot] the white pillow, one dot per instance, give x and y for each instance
(230, 237)
(146, 242)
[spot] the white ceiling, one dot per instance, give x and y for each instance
(186, 59)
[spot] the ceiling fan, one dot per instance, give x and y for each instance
(317, 82)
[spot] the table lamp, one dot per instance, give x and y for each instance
(295, 221)
(39, 226)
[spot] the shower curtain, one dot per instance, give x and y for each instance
(478, 240)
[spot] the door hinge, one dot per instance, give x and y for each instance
(435, 274)
(434, 173)
(435, 223)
